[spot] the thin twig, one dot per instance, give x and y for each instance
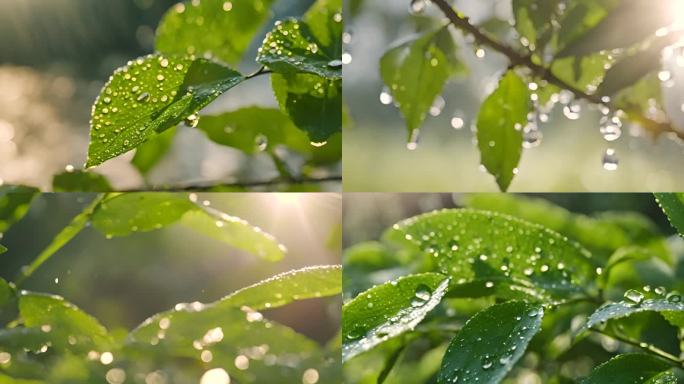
(259, 72)
(516, 58)
(646, 347)
(241, 185)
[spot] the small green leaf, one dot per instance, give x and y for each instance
(221, 29)
(533, 17)
(673, 206)
(247, 128)
(2, 249)
(605, 36)
(488, 254)
(490, 343)
(388, 310)
(313, 103)
(499, 128)
(5, 290)
(14, 204)
(150, 95)
(149, 154)
(291, 48)
(630, 368)
(64, 323)
(124, 214)
(416, 71)
(80, 181)
(277, 291)
(671, 307)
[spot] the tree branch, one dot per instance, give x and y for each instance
(516, 58)
(243, 185)
(673, 360)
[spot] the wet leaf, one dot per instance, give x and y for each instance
(147, 97)
(673, 206)
(627, 369)
(499, 128)
(149, 154)
(313, 103)
(533, 17)
(490, 343)
(415, 71)
(80, 181)
(663, 378)
(388, 310)
(279, 290)
(490, 254)
(605, 36)
(124, 214)
(218, 28)
(68, 327)
(14, 204)
(671, 307)
(292, 48)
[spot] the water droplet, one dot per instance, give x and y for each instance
(437, 106)
(215, 376)
(335, 64)
(610, 160)
(261, 142)
(386, 97)
(413, 141)
(673, 297)
(457, 121)
(143, 97)
(634, 296)
(611, 127)
(192, 121)
(417, 7)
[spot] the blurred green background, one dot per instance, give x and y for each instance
(123, 281)
(55, 57)
(569, 158)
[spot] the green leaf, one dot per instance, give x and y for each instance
(246, 128)
(64, 323)
(388, 310)
(673, 206)
(5, 292)
(150, 153)
(532, 17)
(62, 238)
(291, 48)
(627, 369)
(499, 128)
(490, 343)
(279, 290)
(150, 95)
(221, 29)
(2, 249)
(14, 204)
(124, 214)
(4, 379)
(228, 333)
(324, 18)
(584, 73)
(610, 32)
(313, 103)
(488, 254)
(416, 71)
(671, 307)
(80, 181)
(663, 378)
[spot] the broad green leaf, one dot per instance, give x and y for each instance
(80, 181)
(671, 307)
(499, 128)
(150, 95)
(663, 378)
(68, 327)
(673, 206)
(416, 71)
(313, 103)
(301, 284)
(630, 69)
(268, 349)
(247, 129)
(630, 368)
(610, 32)
(124, 214)
(14, 204)
(218, 28)
(490, 343)
(388, 310)
(62, 238)
(148, 155)
(488, 254)
(533, 17)
(291, 48)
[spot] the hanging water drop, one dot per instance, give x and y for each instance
(610, 160)
(437, 106)
(457, 121)
(386, 97)
(412, 145)
(417, 7)
(192, 121)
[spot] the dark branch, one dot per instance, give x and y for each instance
(243, 185)
(516, 58)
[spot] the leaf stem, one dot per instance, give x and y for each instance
(259, 72)
(673, 360)
(281, 166)
(516, 58)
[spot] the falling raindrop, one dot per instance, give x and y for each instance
(335, 64)
(611, 127)
(457, 121)
(532, 135)
(386, 97)
(412, 145)
(610, 160)
(417, 7)
(261, 143)
(437, 106)
(346, 58)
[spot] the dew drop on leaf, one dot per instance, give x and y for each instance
(634, 296)
(413, 141)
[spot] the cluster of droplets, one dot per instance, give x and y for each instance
(610, 128)
(532, 134)
(647, 296)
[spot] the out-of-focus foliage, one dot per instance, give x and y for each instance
(535, 292)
